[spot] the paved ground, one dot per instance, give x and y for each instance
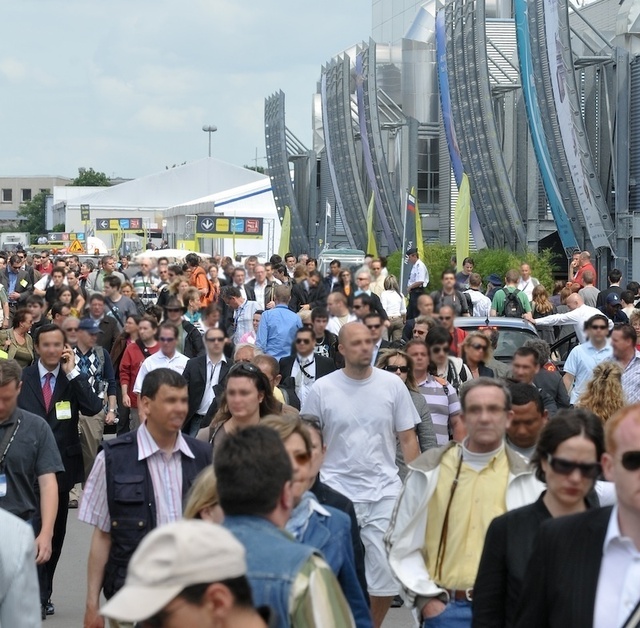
(70, 582)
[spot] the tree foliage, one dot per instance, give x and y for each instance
(88, 177)
(437, 258)
(33, 212)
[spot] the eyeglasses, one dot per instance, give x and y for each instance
(303, 341)
(167, 339)
(302, 457)
(439, 349)
(394, 368)
(244, 367)
(173, 309)
(599, 327)
(478, 347)
(588, 470)
(374, 326)
(215, 339)
(631, 460)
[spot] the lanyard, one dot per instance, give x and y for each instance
(6, 449)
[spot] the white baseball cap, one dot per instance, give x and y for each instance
(171, 558)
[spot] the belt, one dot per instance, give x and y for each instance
(460, 595)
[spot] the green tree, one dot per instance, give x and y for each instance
(90, 178)
(259, 169)
(33, 213)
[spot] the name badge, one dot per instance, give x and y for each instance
(3, 485)
(24, 283)
(63, 410)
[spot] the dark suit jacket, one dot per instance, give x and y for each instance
(314, 297)
(249, 291)
(385, 344)
(109, 332)
(193, 343)
(601, 299)
(324, 366)
(269, 291)
(562, 576)
(23, 291)
(196, 375)
(551, 382)
(80, 395)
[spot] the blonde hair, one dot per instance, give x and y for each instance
(604, 395)
(202, 494)
(287, 426)
(488, 354)
(540, 298)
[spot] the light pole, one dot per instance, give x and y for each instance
(209, 128)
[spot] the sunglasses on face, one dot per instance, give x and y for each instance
(479, 347)
(631, 460)
(599, 327)
(374, 326)
(216, 339)
(302, 457)
(394, 368)
(303, 341)
(439, 349)
(588, 470)
(167, 339)
(245, 367)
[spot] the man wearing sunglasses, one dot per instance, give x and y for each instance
(204, 374)
(305, 366)
(375, 326)
(585, 569)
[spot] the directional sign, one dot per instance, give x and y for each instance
(85, 214)
(119, 224)
(228, 227)
(76, 247)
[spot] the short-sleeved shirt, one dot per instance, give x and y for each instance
(418, 273)
(32, 453)
(581, 362)
(360, 420)
(443, 404)
(499, 299)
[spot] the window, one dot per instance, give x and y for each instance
(26, 194)
(7, 195)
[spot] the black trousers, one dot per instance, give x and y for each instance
(412, 308)
(47, 571)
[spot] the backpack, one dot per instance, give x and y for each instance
(513, 307)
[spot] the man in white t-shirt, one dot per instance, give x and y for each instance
(527, 283)
(481, 303)
(339, 314)
(362, 409)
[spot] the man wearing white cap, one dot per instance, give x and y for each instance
(187, 573)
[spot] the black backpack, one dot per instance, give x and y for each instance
(513, 307)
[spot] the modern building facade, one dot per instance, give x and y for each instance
(17, 190)
(539, 105)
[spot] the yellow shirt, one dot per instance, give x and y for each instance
(479, 498)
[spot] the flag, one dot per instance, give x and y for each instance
(285, 234)
(328, 209)
(414, 225)
(462, 219)
(372, 249)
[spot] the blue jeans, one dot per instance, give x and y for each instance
(455, 615)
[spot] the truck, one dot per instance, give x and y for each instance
(12, 240)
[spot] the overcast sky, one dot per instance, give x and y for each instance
(125, 87)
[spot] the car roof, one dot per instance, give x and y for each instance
(494, 321)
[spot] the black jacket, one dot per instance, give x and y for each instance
(80, 395)
(108, 332)
(551, 382)
(193, 343)
(196, 375)
(324, 366)
(313, 297)
(131, 499)
(269, 291)
(562, 576)
(24, 284)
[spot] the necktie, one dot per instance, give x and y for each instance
(47, 393)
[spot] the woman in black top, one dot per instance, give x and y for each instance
(567, 460)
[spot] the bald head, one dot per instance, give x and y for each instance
(356, 346)
(574, 301)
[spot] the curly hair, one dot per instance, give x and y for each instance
(604, 395)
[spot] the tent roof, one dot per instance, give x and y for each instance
(172, 187)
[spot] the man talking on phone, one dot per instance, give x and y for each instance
(55, 389)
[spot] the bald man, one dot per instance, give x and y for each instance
(362, 409)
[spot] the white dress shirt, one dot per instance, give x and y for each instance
(159, 360)
(303, 382)
(213, 379)
(259, 292)
(618, 589)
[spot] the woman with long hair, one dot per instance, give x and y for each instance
(394, 305)
(127, 290)
(604, 395)
(476, 350)
(325, 528)
(17, 342)
(567, 459)
(202, 500)
(247, 397)
(542, 306)
(400, 364)
(347, 286)
(441, 364)
(128, 335)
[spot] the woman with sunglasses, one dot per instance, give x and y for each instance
(441, 363)
(347, 286)
(567, 459)
(325, 528)
(400, 364)
(247, 397)
(476, 350)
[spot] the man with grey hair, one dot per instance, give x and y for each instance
(436, 536)
(548, 378)
(145, 283)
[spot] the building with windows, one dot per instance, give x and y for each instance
(17, 190)
(539, 108)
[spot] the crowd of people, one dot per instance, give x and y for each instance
(299, 449)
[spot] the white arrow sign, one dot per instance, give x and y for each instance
(207, 224)
(104, 224)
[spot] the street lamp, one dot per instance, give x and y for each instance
(209, 128)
